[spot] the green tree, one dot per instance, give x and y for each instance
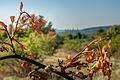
(114, 30)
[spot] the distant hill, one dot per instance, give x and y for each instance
(84, 31)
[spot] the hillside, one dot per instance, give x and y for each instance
(83, 31)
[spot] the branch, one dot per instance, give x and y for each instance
(92, 42)
(35, 63)
(19, 20)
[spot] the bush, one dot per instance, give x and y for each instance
(114, 30)
(41, 44)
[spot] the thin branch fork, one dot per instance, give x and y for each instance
(35, 63)
(92, 42)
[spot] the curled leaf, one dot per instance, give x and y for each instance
(69, 58)
(106, 50)
(12, 18)
(42, 21)
(1, 30)
(33, 17)
(21, 6)
(29, 53)
(24, 64)
(3, 24)
(22, 47)
(90, 57)
(23, 20)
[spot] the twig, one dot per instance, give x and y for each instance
(77, 56)
(19, 20)
(35, 63)
(10, 38)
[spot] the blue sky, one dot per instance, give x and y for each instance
(66, 14)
